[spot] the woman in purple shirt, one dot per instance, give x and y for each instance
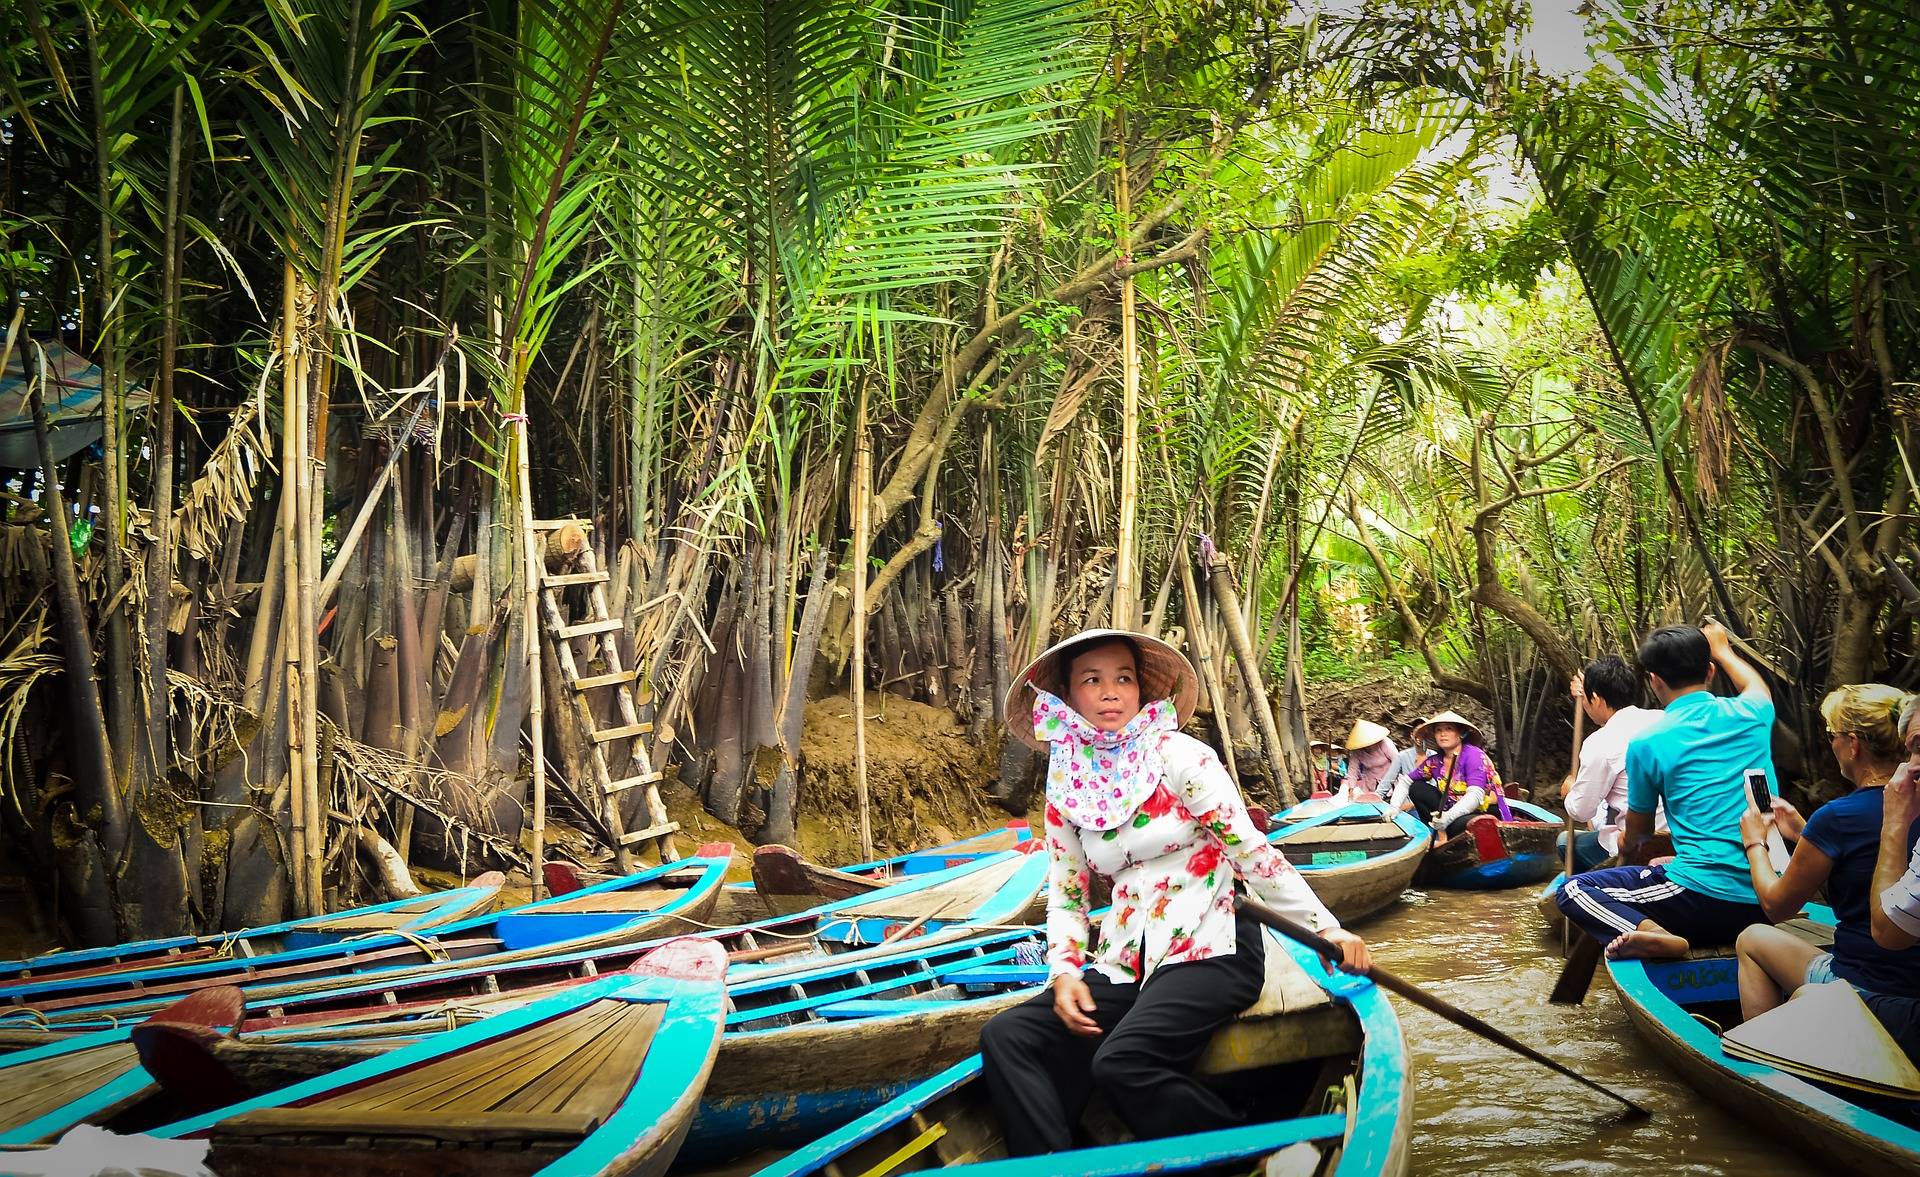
(1448, 788)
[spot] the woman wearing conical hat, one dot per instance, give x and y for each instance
(1329, 766)
(1154, 811)
(1370, 753)
(1458, 781)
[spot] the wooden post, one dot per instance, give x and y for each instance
(1203, 653)
(862, 512)
(292, 458)
(1126, 589)
(533, 565)
(1220, 576)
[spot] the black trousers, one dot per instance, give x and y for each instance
(1429, 803)
(1041, 1074)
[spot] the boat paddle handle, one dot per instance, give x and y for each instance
(1428, 1001)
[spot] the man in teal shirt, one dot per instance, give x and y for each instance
(1696, 761)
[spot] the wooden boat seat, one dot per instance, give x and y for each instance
(1818, 935)
(1359, 831)
(1293, 1019)
(639, 899)
(951, 900)
(559, 1079)
(32, 1090)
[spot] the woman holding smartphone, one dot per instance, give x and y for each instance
(1838, 847)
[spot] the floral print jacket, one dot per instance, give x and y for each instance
(1172, 866)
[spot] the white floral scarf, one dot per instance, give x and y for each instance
(1097, 778)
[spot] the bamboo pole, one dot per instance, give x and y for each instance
(862, 510)
(534, 562)
(1203, 653)
(1126, 590)
(1220, 576)
(293, 456)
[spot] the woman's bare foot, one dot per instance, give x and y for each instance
(1645, 944)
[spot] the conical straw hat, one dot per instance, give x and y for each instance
(1467, 727)
(1365, 734)
(1165, 673)
(1827, 1033)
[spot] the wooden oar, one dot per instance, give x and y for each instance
(1579, 733)
(1427, 1001)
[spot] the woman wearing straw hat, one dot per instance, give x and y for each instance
(1370, 753)
(1329, 766)
(1154, 811)
(1458, 781)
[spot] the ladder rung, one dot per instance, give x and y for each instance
(659, 831)
(562, 580)
(612, 679)
(632, 782)
(622, 732)
(557, 524)
(604, 625)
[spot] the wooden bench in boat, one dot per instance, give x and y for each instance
(1294, 1019)
(558, 1080)
(1817, 934)
(954, 900)
(1359, 831)
(637, 900)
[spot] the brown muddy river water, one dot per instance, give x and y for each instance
(1482, 1110)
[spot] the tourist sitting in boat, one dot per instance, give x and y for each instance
(1457, 782)
(1153, 811)
(1896, 912)
(1329, 767)
(1597, 792)
(1400, 772)
(1837, 850)
(1370, 754)
(1694, 761)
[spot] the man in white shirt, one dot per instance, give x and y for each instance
(1597, 792)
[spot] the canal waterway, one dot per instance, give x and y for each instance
(1480, 1109)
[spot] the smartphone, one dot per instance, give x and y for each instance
(1757, 787)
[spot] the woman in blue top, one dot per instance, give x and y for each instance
(1838, 847)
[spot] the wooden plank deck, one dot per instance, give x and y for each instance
(561, 1078)
(31, 1090)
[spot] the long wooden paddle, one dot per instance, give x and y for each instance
(1579, 734)
(1428, 1001)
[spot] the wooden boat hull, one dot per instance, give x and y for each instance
(650, 904)
(937, 1123)
(1355, 890)
(417, 916)
(1550, 910)
(601, 1079)
(1839, 1135)
(1494, 855)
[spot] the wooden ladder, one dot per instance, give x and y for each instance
(599, 623)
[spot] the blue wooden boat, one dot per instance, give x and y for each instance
(1493, 855)
(783, 881)
(417, 915)
(1313, 1035)
(805, 1049)
(992, 892)
(656, 901)
(1550, 910)
(1358, 858)
(1676, 1005)
(601, 1078)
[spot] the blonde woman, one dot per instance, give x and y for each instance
(1838, 847)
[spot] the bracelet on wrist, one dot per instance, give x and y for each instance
(1749, 846)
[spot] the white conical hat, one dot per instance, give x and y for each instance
(1365, 734)
(1827, 1033)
